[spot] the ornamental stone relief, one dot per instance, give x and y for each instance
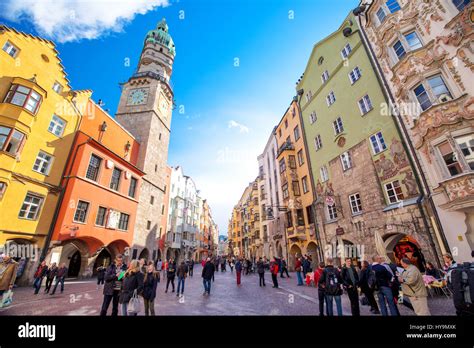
(460, 188)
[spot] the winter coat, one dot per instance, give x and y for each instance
(346, 279)
(382, 275)
(7, 274)
(101, 272)
(260, 267)
(52, 272)
(274, 268)
(238, 266)
(149, 286)
(182, 271)
(413, 284)
(41, 271)
(61, 272)
(317, 276)
(298, 266)
(111, 279)
(171, 272)
(131, 282)
(364, 280)
(208, 270)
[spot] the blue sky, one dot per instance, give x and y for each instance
(235, 70)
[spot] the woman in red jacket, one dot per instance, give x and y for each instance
(274, 271)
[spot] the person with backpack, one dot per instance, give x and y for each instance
(367, 285)
(321, 297)
(331, 281)
(383, 279)
(413, 287)
(261, 272)
(298, 269)
(274, 271)
(350, 280)
(170, 274)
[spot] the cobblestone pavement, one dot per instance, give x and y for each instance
(85, 298)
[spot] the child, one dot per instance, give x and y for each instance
(309, 278)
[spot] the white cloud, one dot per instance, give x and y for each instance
(242, 128)
(72, 20)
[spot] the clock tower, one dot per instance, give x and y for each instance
(145, 111)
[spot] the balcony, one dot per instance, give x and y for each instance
(175, 245)
(460, 191)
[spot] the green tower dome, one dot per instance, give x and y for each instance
(161, 36)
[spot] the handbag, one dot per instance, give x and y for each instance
(134, 304)
(7, 299)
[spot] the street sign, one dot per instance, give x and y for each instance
(339, 231)
(330, 201)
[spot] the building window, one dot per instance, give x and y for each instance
(381, 15)
(323, 171)
(399, 49)
(296, 188)
(394, 191)
(148, 224)
(365, 105)
(378, 143)
(312, 117)
(11, 140)
(413, 40)
(56, 126)
(331, 98)
(346, 161)
(57, 87)
(289, 219)
(338, 126)
(286, 124)
(282, 165)
(293, 112)
(296, 132)
(325, 76)
(11, 49)
(466, 144)
(279, 132)
(152, 200)
(81, 212)
(101, 214)
(31, 207)
(3, 187)
(332, 212)
(123, 222)
(309, 214)
(354, 75)
(284, 189)
(461, 4)
(450, 158)
(300, 217)
(133, 187)
(115, 181)
(304, 182)
(43, 163)
(434, 90)
(300, 157)
(392, 6)
(346, 51)
(292, 161)
(93, 168)
(25, 97)
(356, 205)
(317, 142)
(162, 209)
(309, 95)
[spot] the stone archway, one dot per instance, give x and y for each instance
(104, 258)
(312, 250)
(295, 251)
(144, 254)
(75, 255)
(399, 245)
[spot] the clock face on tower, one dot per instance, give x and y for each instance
(137, 96)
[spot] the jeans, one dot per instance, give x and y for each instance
(322, 299)
(168, 281)
(149, 306)
(238, 277)
(284, 270)
(207, 285)
(384, 295)
(300, 278)
(115, 302)
(370, 297)
(61, 280)
(261, 279)
(354, 298)
(329, 299)
(49, 282)
(181, 284)
(37, 284)
(100, 281)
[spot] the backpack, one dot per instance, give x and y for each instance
(462, 286)
(332, 284)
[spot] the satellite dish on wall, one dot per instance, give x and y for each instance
(347, 32)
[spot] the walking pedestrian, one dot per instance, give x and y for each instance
(132, 281)
(100, 275)
(40, 273)
(274, 271)
(306, 265)
(8, 269)
(284, 269)
(321, 296)
(113, 285)
(350, 280)
(181, 273)
(238, 270)
(60, 278)
(413, 287)
(331, 281)
(261, 271)
(170, 274)
(298, 269)
(384, 292)
(207, 274)
(191, 267)
(150, 282)
(367, 284)
(159, 267)
(50, 275)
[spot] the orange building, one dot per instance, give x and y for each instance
(100, 189)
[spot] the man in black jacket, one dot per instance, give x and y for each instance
(350, 279)
(261, 271)
(207, 274)
(113, 285)
(170, 274)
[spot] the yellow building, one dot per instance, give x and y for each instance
(37, 124)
